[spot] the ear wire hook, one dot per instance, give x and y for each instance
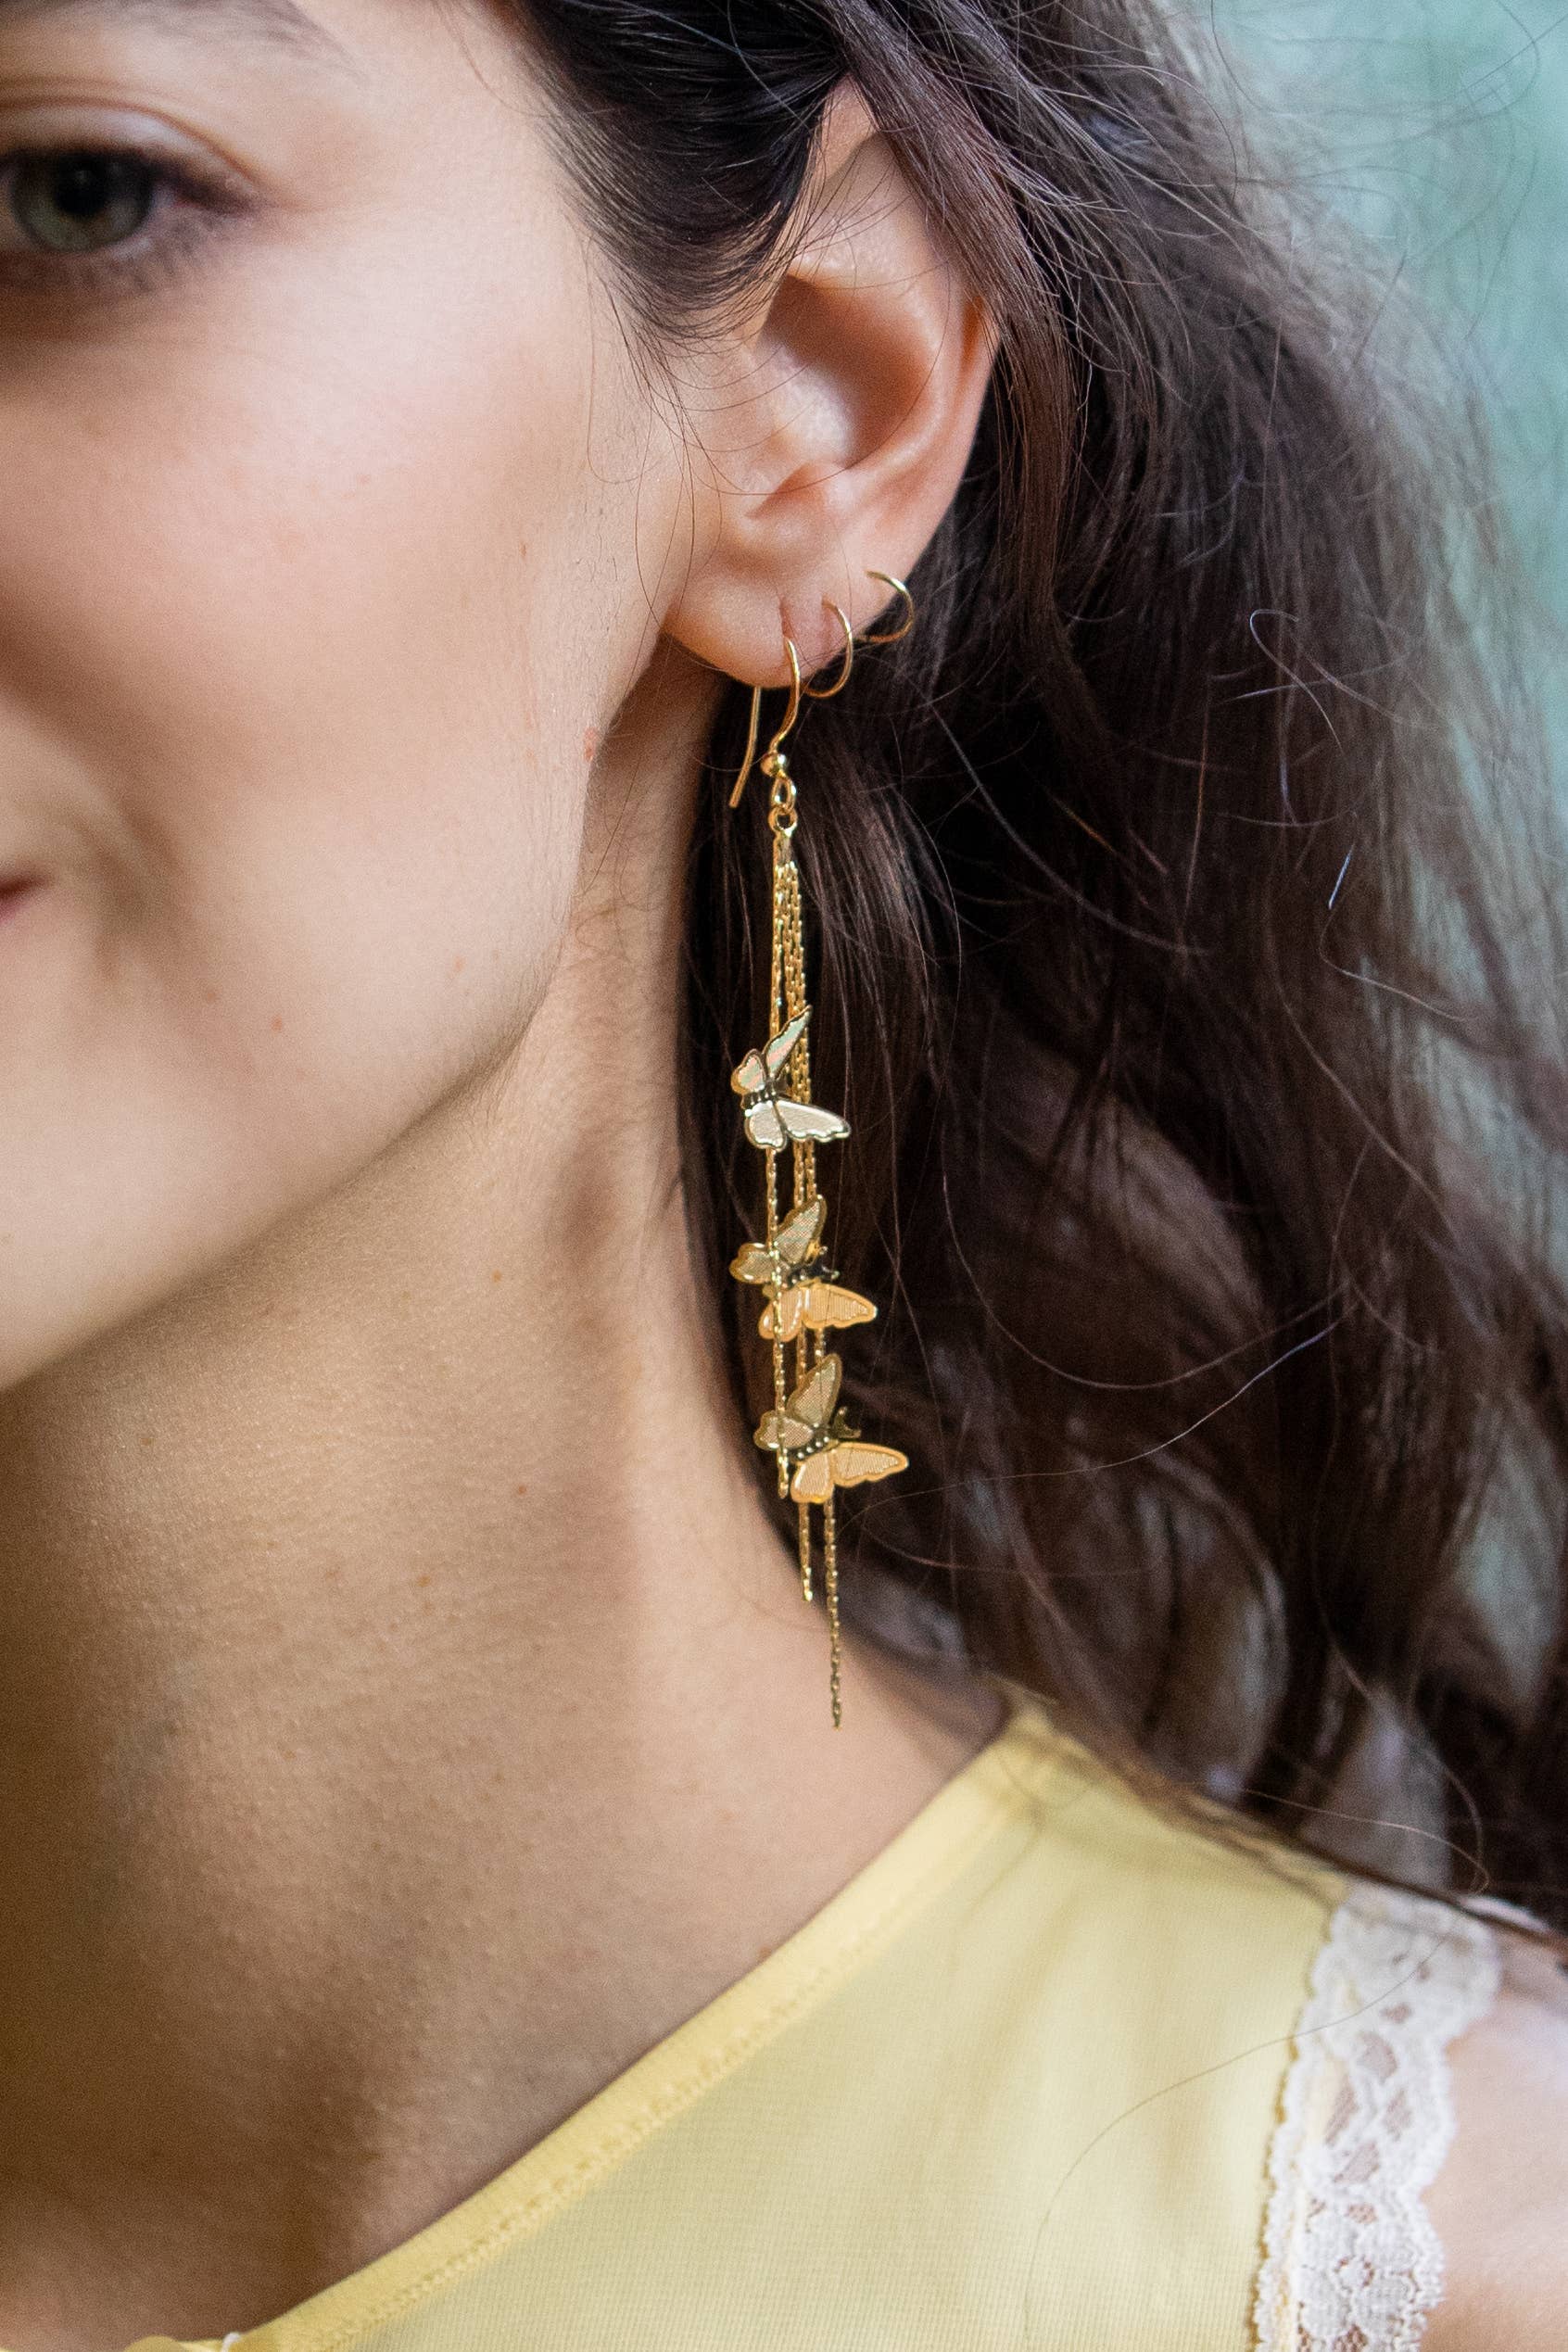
(788, 720)
(751, 748)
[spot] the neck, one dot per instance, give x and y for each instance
(407, 1711)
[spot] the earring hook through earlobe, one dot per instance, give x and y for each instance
(826, 694)
(818, 693)
(892, 636)
(788, 720)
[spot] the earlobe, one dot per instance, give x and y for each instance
(845, 428)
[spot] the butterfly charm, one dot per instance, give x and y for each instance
(805, 1293)
(773, 1119)
(830, 1452)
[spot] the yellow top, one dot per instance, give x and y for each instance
(1014, 2086)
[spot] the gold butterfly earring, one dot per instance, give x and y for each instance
(816, 1448)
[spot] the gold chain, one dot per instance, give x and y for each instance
(830, 1578)
(788, 1004)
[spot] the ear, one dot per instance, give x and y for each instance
(840, 417)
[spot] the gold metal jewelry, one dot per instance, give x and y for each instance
(892, 636)
(788, 720)
(818, 693)
(826, 694)
(816, 1448)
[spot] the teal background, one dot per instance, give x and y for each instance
(1440, 130)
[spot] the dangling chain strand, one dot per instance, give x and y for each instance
(789, 1002)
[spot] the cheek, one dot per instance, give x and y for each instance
(299, 644)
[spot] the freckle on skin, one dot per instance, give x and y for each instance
(210, 995)
(497, 1275)
(277, 1023)
(425, 1579)
(457, 963)
(522, 1490)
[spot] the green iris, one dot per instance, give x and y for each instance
(82, 203)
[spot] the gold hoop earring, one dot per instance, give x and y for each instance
(892, 636)
(846, 663)
(814, 1446)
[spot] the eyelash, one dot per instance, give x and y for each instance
(154, 254)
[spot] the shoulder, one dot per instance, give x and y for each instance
(1417, 2189)
(1499, 2205)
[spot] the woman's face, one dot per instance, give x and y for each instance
(330, 503)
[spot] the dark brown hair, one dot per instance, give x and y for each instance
(1205, 1123)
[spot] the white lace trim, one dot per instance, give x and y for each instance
(1350, 2261)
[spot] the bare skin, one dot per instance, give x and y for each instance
(1500, 2203)
(407, 1712)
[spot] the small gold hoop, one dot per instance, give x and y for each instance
(826, 694)
(771, 757)
(817, 694)
(892, 636)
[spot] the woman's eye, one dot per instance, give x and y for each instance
(80, 202)
(76, 215)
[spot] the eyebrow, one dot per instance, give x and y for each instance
(280, 21)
